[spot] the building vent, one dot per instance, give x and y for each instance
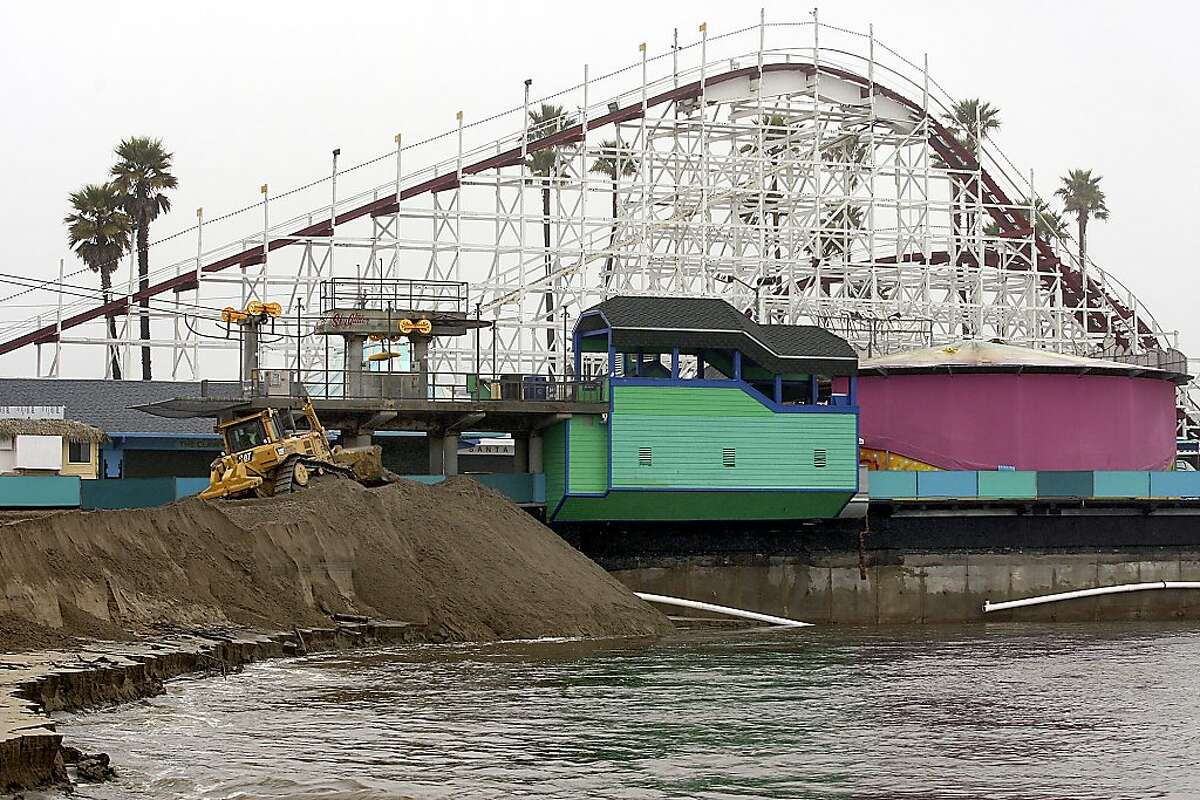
(729, 456)
(820, 458)
(645, 458)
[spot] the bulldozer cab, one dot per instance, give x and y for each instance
(269, 427)
(247, 433)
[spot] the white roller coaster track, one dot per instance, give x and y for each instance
(803, 159)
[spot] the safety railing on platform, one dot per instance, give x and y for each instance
(383, 385)
(400, 294)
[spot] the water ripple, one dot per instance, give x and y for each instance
(938, 713)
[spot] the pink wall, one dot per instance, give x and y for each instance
(1030, 421)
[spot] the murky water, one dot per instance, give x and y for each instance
(1057, 711)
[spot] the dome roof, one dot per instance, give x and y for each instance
(974, 355)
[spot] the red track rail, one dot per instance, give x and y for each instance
(943, 142)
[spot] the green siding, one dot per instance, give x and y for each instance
(588, 453)
(554, 463)
(668, 505)
(687, 429)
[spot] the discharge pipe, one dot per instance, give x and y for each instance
(732, 612)
(1121, 588)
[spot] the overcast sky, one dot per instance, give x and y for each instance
(249, 92)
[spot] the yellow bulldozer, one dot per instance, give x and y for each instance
(275, 452)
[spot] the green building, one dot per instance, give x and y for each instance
(711, 417)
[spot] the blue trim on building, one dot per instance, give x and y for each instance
(781, 408)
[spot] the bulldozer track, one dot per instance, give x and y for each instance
(328, 466)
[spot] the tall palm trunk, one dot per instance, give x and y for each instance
(1083, 218)
(106, 291)
(612, 239)
(775, 218)
(143, 246)
(548, 302)
(955, 225)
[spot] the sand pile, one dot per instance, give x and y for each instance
(456, 554)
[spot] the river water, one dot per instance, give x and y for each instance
(997, 711)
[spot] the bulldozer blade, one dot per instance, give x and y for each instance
(365, 462)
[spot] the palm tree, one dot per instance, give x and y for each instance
(614, 164)
(1083, 197)
(776, 141)
(972, 121)
(98, 230)
(545, 165)
(143, 175)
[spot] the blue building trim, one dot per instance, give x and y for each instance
(780, 408)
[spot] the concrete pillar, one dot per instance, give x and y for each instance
(353, 365)
(249, 352)
(450, 454)
(535, 452)
(436, 454)
(420, 363)
(520, 452)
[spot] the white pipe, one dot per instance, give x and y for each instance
(1118, 589)
(732, 612)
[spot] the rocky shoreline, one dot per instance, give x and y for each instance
(34, 685)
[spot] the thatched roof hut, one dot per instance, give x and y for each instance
(67, 428)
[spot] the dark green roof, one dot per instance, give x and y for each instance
(657, 324)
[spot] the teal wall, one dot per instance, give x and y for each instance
(128, 493)
(1121, 484)
(1008, 483)
(40, 491)
(687, 429)
(1011, 485)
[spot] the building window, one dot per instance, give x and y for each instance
(729, 456)
(79, 452)
(645, 457)
(820, 458)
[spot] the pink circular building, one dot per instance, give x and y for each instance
(980, 405)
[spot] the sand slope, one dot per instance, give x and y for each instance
(456, 554)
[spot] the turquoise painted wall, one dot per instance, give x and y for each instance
(1119, 483)
(128, 493)
(40, 491)
(1008, 483)
(688, 428)
(1002, 485)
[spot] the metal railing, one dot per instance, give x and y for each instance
(385, 385)
(874, 336)
(424, 295)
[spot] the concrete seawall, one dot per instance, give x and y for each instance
(926, 587)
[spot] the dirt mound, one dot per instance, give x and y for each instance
(457, 554)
